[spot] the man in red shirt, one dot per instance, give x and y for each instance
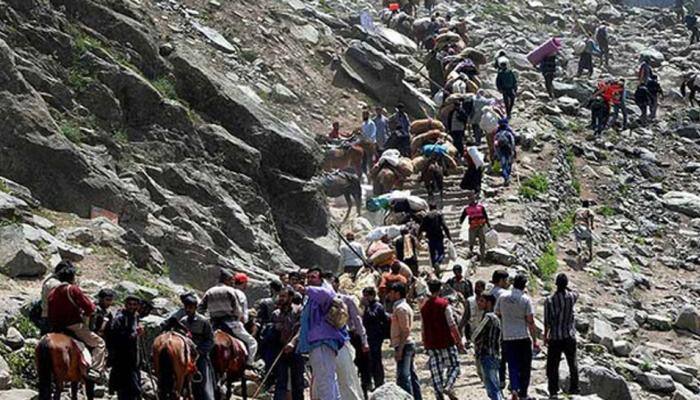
(69, 308)
(442, 340)
(478, 220)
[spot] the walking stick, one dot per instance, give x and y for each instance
(272, 367)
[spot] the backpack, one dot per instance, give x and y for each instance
(338, 314)
(505, 140)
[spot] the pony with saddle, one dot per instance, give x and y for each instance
(229, 357)
(61, 360)
(174, 366)
(346, 184)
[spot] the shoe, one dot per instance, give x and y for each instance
(450, 393)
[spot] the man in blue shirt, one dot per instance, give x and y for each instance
(381, 123)
(369, 137)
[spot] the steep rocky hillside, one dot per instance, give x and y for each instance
(154, 141)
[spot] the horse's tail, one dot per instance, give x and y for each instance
(166, 374)
(44, 368)
(683, 86)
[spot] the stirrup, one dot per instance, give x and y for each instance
(197, 377)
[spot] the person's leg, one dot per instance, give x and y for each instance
(477, 134)
(525, 353)
(502, 368)
(654, 107)
(348, 381)
(472, 240)
(489, 367)
(553, 359)
(403, 372)
(376, 364)
(94, 342)
(452, 371)
(325, 384)
(437, 370)
(250, 342)
(281, 376)
(482, 242)
(415, 383)
(362, 363)
(570, 353)
(623, 106)
(433, 253)
(511, 349)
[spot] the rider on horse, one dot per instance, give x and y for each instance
(68, 307)
(227, 311)
(203, 337)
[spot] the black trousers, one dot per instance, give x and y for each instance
(509, 101)
(549, 83)
(362, 362)
(556, 348)
(458, 140)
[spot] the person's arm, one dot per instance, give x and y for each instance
(463, 216)
(202, 307)
(360, 330)
(403, 321)
(445, 228)
(497, 307)
(454, 329)
(530, 318)
(81, 300)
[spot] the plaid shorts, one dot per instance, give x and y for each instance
(444, 368)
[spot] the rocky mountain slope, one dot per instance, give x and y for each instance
(191, 124)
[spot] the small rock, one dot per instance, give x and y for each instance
(5, 377)
(390, 391)
(283, 94)
(500, 256)
(18, 394)
(659, 322)
(622, 348)
(603, 333)
(13, 339)
(656, 383)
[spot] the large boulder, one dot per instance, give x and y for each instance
(213, 94)
(688, 319)
(605, 383)
(5, 374)
(603, 333)
(683, 202)
(691, 131)
(18, 257)
(383, 79)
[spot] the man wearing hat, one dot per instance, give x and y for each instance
(203, 338)
(123, 344)
(226, 310)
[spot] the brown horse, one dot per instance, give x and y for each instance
(174, 365)
(385, 181)
(229, 360)
(344, 158)
(59, 361)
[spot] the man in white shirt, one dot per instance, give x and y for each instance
(517, 314)
(369, 138)
(352, 255)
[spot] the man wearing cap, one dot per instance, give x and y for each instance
(102, 316)
(203, 338)
(226, 311)
(369, 138)
(123, 343)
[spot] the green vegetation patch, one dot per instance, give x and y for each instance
(165, 87)
(537, 184)
(71, 130)
(548, 264)
(562, 227)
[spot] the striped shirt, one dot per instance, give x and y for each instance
(487, 336)
(220, 301)
(559, 315)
